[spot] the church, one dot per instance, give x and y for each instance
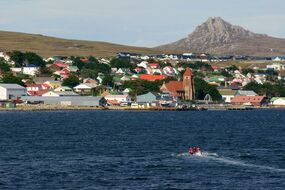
(182, 89)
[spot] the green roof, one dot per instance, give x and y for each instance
(227, 92)
(276, 98)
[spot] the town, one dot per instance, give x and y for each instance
(186, 81)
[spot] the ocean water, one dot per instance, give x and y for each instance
(142, 150)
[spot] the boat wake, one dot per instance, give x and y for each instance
(206, 156)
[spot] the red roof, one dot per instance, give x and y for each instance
(61, 65)
(153, 64)
(188, 72)
(152, 77)
(85, 60)
(246, 99)
(34, 85)
(37, 93)
(173, 87)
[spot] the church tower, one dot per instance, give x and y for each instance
(188, 84)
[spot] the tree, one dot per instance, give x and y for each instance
(245, 71)
(77, 62)
(18, 57)
(270, 90)
(4, 66)
(71, 81)
(92, 59)
(9, 78)
(120, 63)
(142, 86)
(108, 80)
(202, 88)
(232, 68)
(34, 59)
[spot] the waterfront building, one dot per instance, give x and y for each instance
(249, 100)
(149, 97)
(117, 99)
(85, 88)
(182, 89)
(277, 101)
(90, 101)
(11, 91)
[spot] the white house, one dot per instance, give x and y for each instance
(85, 87)
(11, 91)
(276, 66)
(118, 98)
(63, 89)
(5, 56)
(278, 101)
(32, 71)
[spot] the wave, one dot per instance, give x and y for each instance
(230, 161)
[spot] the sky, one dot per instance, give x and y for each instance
(146, 23)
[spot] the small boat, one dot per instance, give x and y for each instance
(195, 151)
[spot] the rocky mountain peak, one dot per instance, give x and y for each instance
(218, 36)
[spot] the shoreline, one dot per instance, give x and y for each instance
(34, 108)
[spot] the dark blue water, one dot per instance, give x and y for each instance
(142, 150)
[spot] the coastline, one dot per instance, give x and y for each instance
(29, 108)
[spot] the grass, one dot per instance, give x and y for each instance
(49, 46)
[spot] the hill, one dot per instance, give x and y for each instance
(49, 46)
(217, 36)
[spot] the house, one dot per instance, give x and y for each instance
(37, 87)
(31, 70)
(277, 101)
(90, 80)
(125, 78)
(181, 89)
(143, 64)
(72, 69)
(127, 91)
(152, 77)
(53, 83)
(59, 93)
(153, 65)
(169, 71)
(41, 80)
(85, 88)
(117, 99)
(121, 71)
(57, 66)
(37, 93)
(134, 77)
(227, 95)
(63, 89)
(11, 91)
(249, 100)
(276, 66)
(149, 97)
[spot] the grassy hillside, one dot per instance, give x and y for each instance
(48, 46)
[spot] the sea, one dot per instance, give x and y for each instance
(89, 150)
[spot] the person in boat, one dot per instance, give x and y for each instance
(191, 151)
(198, 150)
(194, 150)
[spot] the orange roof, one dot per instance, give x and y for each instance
(152, 77)
(188, 72)
(245, 99)
(174, 86)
